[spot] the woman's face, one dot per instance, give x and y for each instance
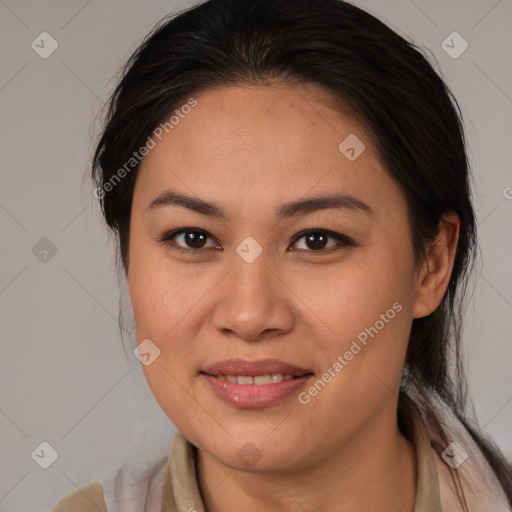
(243, 293)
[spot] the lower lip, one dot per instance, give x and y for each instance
(253, 396)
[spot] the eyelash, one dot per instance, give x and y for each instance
(343, 240)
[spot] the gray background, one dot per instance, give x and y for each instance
(64, 377)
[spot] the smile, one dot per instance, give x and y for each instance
(258, 380)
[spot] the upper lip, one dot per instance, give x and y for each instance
(254, 368)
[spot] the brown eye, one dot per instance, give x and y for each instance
(189, 238)
(317, 240)
(194, 239)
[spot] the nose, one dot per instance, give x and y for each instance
(254, 303)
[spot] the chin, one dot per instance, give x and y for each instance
(254, 451)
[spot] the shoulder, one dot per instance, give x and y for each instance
(86, 499)
(462, 468)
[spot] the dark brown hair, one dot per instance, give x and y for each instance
(413, 119)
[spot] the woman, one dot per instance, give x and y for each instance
(289, 187)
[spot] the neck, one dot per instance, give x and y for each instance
(374, 471)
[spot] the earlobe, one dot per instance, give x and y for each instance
(437, 267)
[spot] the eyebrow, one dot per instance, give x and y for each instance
(286, 210)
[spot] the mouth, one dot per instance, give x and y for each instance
(255, 384)
(257, 380)
(259, 368)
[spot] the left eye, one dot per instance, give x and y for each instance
(316, 240)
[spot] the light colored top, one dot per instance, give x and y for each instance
(173, 487)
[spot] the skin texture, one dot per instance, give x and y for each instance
(250, 149)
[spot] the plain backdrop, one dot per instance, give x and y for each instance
(64, 377)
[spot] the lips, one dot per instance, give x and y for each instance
(255, 384)
(239, 367)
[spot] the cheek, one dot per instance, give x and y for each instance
(161, 293)
(166, 308)
(352, 296)
(365, 310)
(163, 301)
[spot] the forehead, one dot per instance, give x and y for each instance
(272, 141)
(294, 118)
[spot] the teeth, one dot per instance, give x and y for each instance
(258, 380)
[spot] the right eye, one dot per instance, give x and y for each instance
(192, 240)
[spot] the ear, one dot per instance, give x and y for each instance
(436, 270)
